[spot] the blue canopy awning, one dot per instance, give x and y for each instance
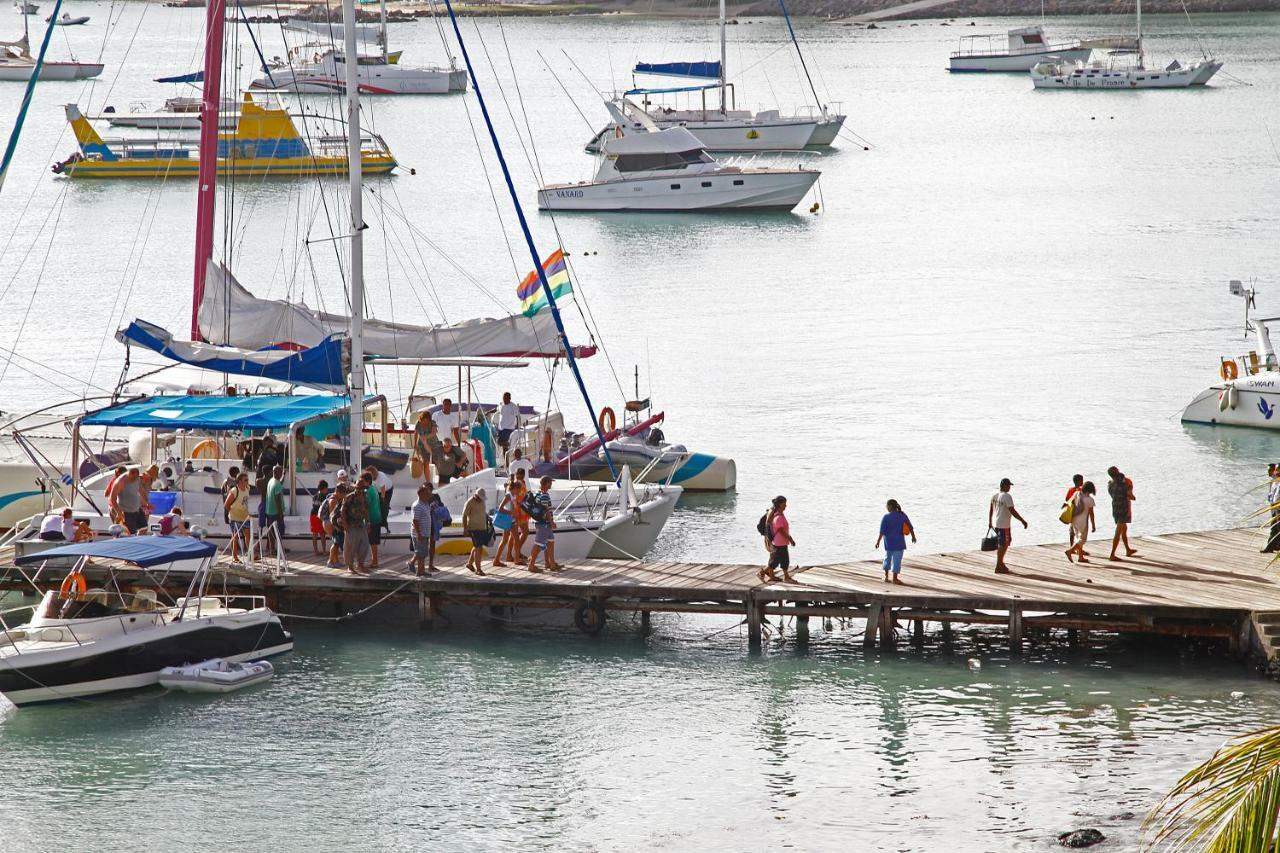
(668, 91)
(144, 551)
(218, 413)
(193, 77)
(320, 366)
(708, 70)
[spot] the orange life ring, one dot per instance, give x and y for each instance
(201, 450)
(74, 579)
(607, 416)
(546, 444)
(1229, 371)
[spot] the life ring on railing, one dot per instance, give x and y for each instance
(75, 579)
(546, 444)
(202, 450)
(1229, 371)
(608, 416)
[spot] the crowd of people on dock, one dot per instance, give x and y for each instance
(1078, 513)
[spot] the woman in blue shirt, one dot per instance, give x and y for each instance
(894, 528)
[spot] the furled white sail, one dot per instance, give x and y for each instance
(232, 316)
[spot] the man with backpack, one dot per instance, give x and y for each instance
(538, 508)
(355, 525)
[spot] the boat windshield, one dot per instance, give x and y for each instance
(666, 160)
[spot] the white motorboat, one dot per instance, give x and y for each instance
(216, 676)
(17, 64)
(316, 67)
(1248, 393)
(23, 8)
(83, 642)
(670, 170)
(720, 126)
(1026, 48)
(1062, 74)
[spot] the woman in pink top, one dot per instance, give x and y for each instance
(780, 543)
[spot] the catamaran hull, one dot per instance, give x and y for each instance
(759, 191)
(1001, 62)
(398, 81)
(132, 661)
(698, 472)
(51, 71)
(1197, 74)
(1253, 404)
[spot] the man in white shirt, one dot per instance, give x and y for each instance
(518, 462)
(1000, 515)
(58, 528)
(447, 422)
(508, 421)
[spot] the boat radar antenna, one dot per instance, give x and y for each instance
(1248, 294)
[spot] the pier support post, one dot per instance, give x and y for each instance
(753, 622)
(802, 624)
(424, 610)
(946, 633)
(873, 624)
(887, 635)
(1073, 638)
(1015, 629)
(917, 631)
(645, 626)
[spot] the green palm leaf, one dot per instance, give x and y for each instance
(1229, 804)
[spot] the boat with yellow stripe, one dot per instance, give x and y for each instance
(265, 143)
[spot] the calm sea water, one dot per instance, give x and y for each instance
(1009, 283)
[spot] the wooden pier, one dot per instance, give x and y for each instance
(1211, 584)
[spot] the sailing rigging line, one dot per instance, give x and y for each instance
(35, 288)
(28, 93)
(528, 237)
(555, 77)
(787, 17)
(48, 368)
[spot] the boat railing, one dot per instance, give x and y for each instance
(194, 608)
(999, 46)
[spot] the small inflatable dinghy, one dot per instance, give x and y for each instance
(215, 676)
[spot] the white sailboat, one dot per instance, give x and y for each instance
(318, 67)
(646, 168)
(1061, 74)
(1248, 393)
(17, 63)
(721, 126)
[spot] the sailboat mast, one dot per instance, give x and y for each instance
(723, 54)
(357, 234)
(382, 13)
(1141, 59)
(207, 180)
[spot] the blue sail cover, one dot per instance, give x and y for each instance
(705, 70)
(630, 92)
(319, 366)
(144, 551)
(228, 414)
(193, 77)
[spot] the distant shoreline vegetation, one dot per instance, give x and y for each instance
(829, 9)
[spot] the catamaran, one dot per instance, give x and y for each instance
(1248, 393)
(1061, 74)
(318, 67)
(653, 169)
(721, 126)
(265, 143)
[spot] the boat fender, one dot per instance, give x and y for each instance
(1233, 396)
(589, 617)
(1224, 399)
(1229, 371)
(76, 580)
(608, 420)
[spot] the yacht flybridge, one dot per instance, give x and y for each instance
(317, 66)
(719, 125)
(1248, 390)
(652, 169)
(1026, 48)
(85, 641)
(1061, 74)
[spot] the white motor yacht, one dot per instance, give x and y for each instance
(650, 169)
(1248, 393)
(1064, 74)
(1026, 48)
(82, 642)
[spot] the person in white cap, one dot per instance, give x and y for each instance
(475, 523)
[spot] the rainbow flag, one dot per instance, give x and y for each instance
(532, 297)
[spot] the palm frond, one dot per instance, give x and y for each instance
(1229, 804)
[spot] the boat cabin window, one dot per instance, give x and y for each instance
(650, 162)
(706, 183)
(675, 186)
(738, 183)
(1033, 38)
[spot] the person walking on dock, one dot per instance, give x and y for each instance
(1077, 483)
(274, 501)
(1000, 515)
(314, 520)
(237, 508)
(475, 523)
(520, 530)
(544, 526)
(504, 519)
(332, 516)
(894, 527)
(1120, 488)
(424, 543)
(355, 528)
(373, 503)
(1273, 506)
(1082, 520)
(779, 543)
